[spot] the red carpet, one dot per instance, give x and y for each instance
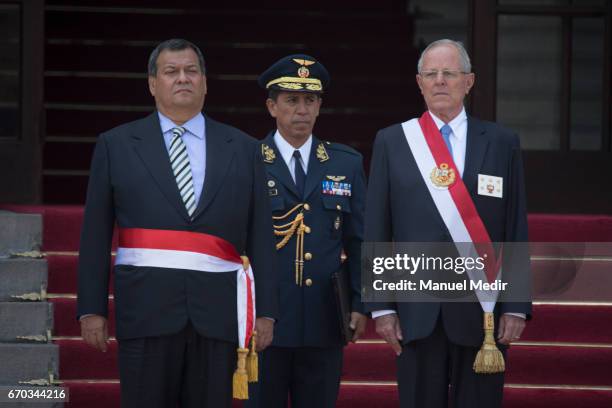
(549, 365)
(564, 359)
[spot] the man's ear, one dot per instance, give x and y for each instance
(271, 105)
(419, 80)
(470, 79)
(152, 84)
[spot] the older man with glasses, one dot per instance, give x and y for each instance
(429, 182)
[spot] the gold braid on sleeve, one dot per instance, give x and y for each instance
(286, 231)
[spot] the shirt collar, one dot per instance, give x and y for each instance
(196, 125)
(286, 150)
(455, 123)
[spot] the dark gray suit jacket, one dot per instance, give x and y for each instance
(400, 208)
(132, 184)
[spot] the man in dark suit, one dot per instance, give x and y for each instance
(437, 343)
(188, 197)
(317, 192)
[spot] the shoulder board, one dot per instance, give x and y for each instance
(341, 148)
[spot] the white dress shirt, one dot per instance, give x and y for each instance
(195, 142)
(458, 138)
(286, 152)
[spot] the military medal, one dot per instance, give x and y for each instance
(336, 188)
(443, 176)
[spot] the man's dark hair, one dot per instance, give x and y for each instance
(273, 94)
(174, 44)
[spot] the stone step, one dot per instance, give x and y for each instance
(32, 404)
(21, 320)
(19, 232)
(22, 276)
(26, 362)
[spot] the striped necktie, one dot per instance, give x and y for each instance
(181, 169)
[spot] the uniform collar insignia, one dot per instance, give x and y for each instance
(322, 153)
(268, 154)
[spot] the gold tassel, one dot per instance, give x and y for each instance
(489, 359)
(240, 383)
(245, 262)
(252, 364)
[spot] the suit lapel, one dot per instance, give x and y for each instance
(151, 149)
(476, 149)
(219, 155)
(278, 168)
(316, 169)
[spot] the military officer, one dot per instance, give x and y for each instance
(317, 191)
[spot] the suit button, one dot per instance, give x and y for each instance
(307, 229)
(308, 282)
(308, 256)
(306, 206)
(338, 207)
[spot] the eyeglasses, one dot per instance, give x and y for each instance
(446, 74)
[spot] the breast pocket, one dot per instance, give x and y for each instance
(277, 204)
(337, 208)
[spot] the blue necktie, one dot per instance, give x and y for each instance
(446, 132)
(300, 176)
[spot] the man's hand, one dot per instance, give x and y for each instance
(388, 327)
(265, 332)
(94, 330)
(358, 323)
(510, 328)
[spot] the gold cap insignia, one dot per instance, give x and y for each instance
(290, 85)
(322, 153)
(313, 87)
(268, 153)
(303, 72)
(303, 62)
(443, 176)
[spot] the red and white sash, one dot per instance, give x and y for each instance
(193, 251)
(454, 203)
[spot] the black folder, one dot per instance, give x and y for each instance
(342, 295)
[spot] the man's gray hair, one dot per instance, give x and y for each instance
(174, 44)
(464, 58)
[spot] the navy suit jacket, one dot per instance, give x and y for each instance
(132, 185)
(308, 316)
(400, 208)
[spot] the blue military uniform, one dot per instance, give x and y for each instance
(332, 210)
(318, 231)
